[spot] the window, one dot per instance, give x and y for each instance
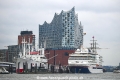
(68, 15)
(65, 18)
(66, 54)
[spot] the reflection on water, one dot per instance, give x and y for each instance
(103, 76)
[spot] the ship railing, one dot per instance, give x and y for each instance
(81, 58)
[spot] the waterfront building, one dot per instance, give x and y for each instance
(64, 32)
(28, 36)
(61, 37)
(3, 55)
(13, 51)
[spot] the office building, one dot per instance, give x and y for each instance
(3, 55)
(28, 36)
(13, 51)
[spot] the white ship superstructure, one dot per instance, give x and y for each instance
(32, 58)
(85, 60)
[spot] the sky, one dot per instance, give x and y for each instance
(100, 18)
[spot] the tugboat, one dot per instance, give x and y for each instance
(85, 60)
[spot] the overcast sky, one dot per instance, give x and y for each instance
(100, 18)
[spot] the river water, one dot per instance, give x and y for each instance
(57, 76)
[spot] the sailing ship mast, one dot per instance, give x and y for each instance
(93, 45)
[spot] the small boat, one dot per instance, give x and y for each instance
(117, 69)
(3, 70)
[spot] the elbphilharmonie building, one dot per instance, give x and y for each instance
(64, 31)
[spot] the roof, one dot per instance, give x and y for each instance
(35, 52)
(6, 63)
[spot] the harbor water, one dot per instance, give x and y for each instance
(64, 76)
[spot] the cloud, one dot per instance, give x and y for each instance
(104, 25)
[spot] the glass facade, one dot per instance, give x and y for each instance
(64, 32)
(13, 51)
(3, 55)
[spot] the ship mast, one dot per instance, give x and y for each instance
(93, 45)
(29, 45)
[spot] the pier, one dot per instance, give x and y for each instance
(9, 66)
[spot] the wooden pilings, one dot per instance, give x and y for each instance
(31, 68)
(52, 68)
(40, 65)
(35, 67)
(10, 68)
(18, 70)
(25, 67)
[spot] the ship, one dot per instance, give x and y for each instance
(30, 58)
(117, 69)
(85, 60)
